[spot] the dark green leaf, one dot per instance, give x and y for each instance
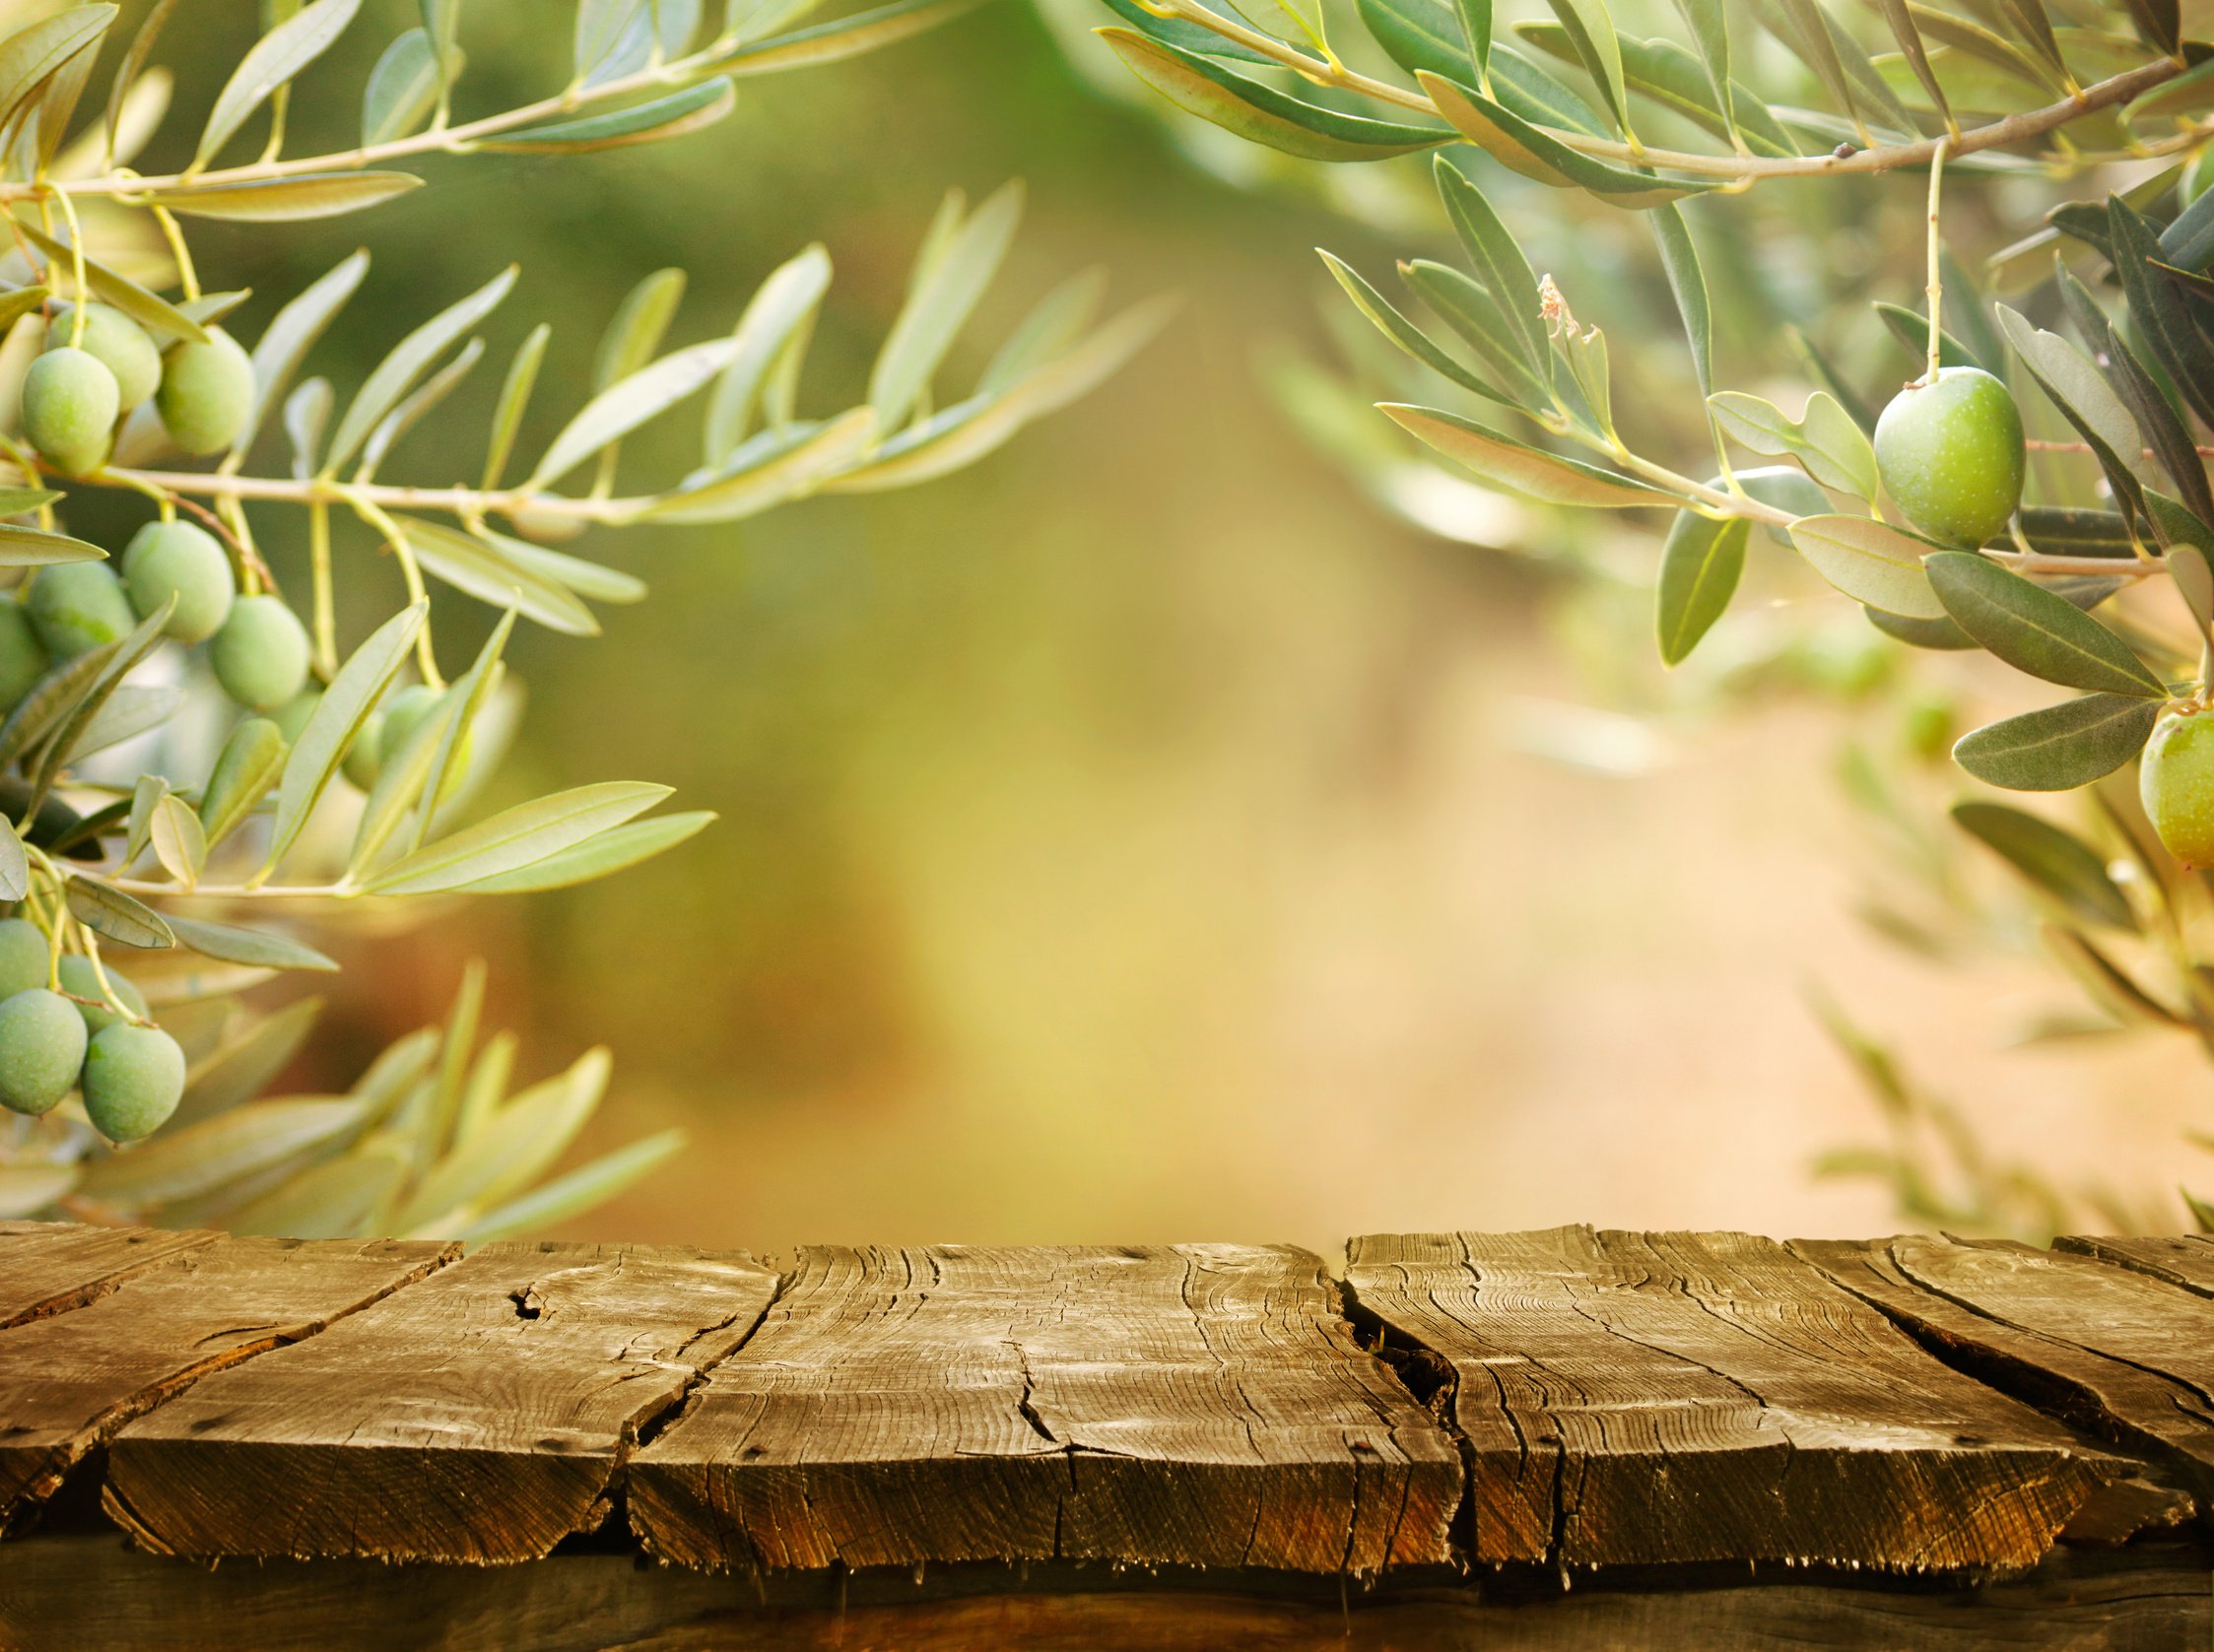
(2061, 747)
(1522, 147)
(2057, 862)
(2036, 631)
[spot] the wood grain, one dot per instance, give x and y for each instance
(480, 1417)
(2118, 1351)
(93, 1595)
(1192, 1404)
(52, 1266)
(67, 1381)
(2182, 1260)
(1642, 1398)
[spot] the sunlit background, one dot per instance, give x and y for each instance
(1143, 836)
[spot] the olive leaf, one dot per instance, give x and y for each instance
(21, 547)
(611, 852)
(273, 60)
(1522, 146)
(1406, 335)
(560, 1197)
(1480, 322)
(1700, 565)
(286, 200)
(1504, 462)
(1194, 36)
(409, 359)
(484, 567)
(769, 469)
(129, 71)
(638, 325)
(157, 314)
(2059, 748)
(1664, 73)
(1590, 31)
(256, 947)
(31, 55)
(2085, 399)
(846, 36)
(511, 1148)
(691, 110)
(2056, 861)
(413, 406)
(623, 407)
(1500, 266)
(514, 398)
(2035, 631)
(468, 698)
(1871, 562)
(118, 916)
(516, 837)
(1826, 440)
(336, 720)
(1679, 261)
(772, 329)
(291, 333)
(950, 282)
(178, 841)
(193, 1159)
(402, 88)
(15, 865)
(966, 432)
(1911, 329)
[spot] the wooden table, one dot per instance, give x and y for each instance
(1569, 1438)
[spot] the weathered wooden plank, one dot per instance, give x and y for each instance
(2181, 1259)
(1195, 1404)
(480, 1417)
(81, 1594)
(1633, 1398)
(54, 1265)
(2118, 1351)
(67, 1381)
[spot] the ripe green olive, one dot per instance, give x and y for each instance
(292, 717)
(77, 606)
(121, 344)
(1950, 453)
(24, 956)
(133, 1080)
(206, 393)
(260, 655)
(79, 981)
(2176, 785)
(403, 715)
(42, 1048)
(70, 403)
(22, 657)
(364, 758)
(187, 562)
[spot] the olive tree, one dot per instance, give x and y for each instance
(2025, 478)
(188, 749)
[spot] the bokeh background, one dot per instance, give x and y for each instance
(1141, 834)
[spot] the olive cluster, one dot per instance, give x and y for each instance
(131, 1072)
(256, 645)
(91, 375)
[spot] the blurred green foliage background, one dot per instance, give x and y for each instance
(1136, 835)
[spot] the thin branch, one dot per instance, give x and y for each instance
(1747, 170)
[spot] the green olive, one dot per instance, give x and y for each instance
(24, 956)
(70, 403)
(179, 560)
(121, 344)
(22, 657)
(77, 606)
(364, 758)
(260, 655)
(133, 1080)
(79, 981)
(1950, 453)
(42, 1048)
(206, 393)
(2177, 785)
(403, 715)
(292, 717)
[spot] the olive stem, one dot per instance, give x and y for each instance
(1873, 158)
(1935, 289)
(437, 139)
(426, 657)
(76, 276)
(457, 500)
